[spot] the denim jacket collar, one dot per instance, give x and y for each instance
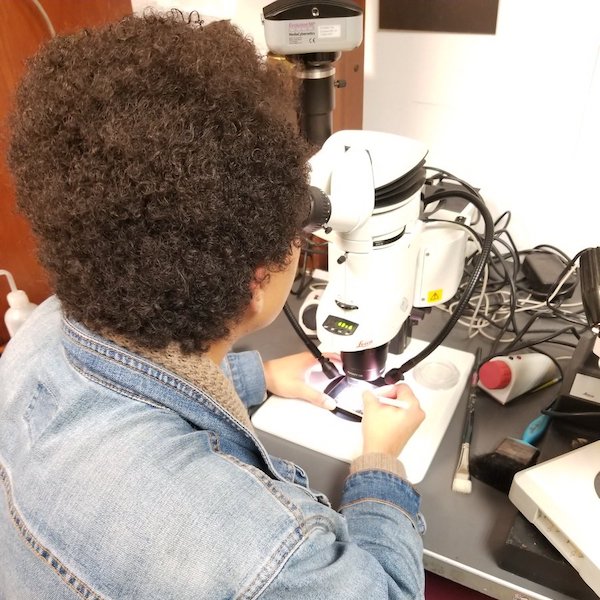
(136, 377)
(197, 369)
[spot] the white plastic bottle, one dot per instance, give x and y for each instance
(506, 377)
(19, 310)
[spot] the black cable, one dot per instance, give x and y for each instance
(559, 414)
(523, 331)
(329, 368)
(500, 277)
(304, 277)
(572, 331)
(505, 280)
(442, 174)
(570, 263)
(394, 375)
(512, 248)
(510, 319)
(543, 340)
(505, 215)
(555, 251)
(304, 282)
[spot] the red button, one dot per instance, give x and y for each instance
(495, 374)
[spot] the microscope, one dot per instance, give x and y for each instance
(385, 260)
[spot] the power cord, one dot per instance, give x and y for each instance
(396, 374)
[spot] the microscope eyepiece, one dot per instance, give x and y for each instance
(320, 210)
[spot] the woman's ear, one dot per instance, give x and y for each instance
(257, 287)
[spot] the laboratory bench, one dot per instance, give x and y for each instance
(467, 534)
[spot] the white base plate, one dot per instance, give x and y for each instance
(315, 428)
(561, 497)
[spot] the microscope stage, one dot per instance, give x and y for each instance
(438, 382)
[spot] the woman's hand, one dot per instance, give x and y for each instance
(285, 377)
(389, 419)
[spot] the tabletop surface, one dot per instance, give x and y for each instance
(462, 529)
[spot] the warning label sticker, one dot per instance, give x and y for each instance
(434, 295)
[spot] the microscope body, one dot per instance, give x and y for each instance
(372, 250)
(383, 260)
(381, 254)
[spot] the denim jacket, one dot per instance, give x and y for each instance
(122, 480)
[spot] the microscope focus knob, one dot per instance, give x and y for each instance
(495, 374)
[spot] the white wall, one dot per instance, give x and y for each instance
(516, 114)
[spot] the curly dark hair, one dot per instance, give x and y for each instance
(157, 163)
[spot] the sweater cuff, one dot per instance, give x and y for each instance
(378, 462)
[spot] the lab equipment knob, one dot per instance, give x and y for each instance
(495, 374)
(507, 377)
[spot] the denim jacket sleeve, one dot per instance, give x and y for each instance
(374, 550)
(245, 370)
(378, 556)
